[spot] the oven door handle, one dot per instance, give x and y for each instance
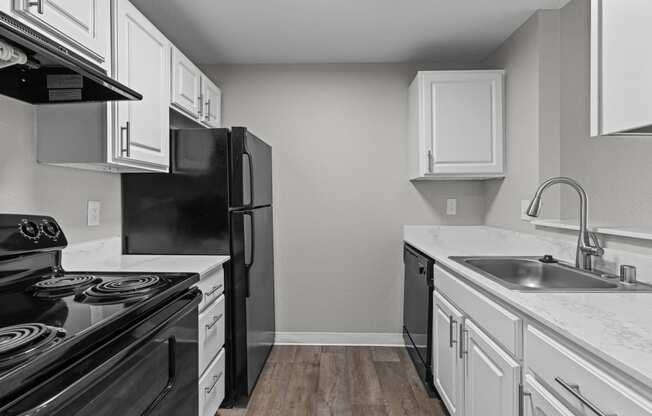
(95, 375)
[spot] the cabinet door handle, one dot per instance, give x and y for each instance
(125, 144)
(574, 389)
(208, 110)
(451, 330)
(463, 332)
(430, 161)
(40, 4)
(213, 290)
(215, 320)
(200, 106)
(212, 386)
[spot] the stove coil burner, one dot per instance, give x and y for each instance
(123, 289)
(64, 285)
(18, 343)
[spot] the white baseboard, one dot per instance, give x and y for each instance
(340, 338)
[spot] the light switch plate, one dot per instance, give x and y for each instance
(94, 208)
(451, 206)
(524, 204)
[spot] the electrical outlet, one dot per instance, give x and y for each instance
(94, 213)
(451, 206)
(525, 203)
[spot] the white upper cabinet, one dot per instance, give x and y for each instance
(621, 67)
(81, 24)
(212, 98)
(143, 63)
(186, 95)
(456, 128)
(193, 94)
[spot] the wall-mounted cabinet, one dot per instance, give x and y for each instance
(185, 91)
(143, 63)
(212, 100)
(456, 128)
(82, 25)
(128, 136)
(193, 94)
(621, 68)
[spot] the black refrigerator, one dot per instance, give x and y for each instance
(217, 199)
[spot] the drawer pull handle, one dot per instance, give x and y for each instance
(451, 330)
(574, 389)
(216, 378)
(213, 290)
(215, 320)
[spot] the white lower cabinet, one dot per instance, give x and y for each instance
(579, 382)
(473, 374)
(211, 349)
(448, 371)
(491, 376)
(538, 401)
(508, 366)
(211, 386)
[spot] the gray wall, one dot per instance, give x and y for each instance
(340, 193)
(28, 187)
(548, 85)
(530, 57)
(614, 171)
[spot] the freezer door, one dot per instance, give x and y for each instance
(253, 273)
(251, 170)
(184, 211)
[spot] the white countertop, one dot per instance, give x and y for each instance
(105, 256)
(616, 327)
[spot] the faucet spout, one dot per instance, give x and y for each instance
(587, 243)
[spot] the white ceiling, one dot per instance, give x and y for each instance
(339, 31)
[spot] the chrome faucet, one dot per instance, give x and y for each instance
(587, 242)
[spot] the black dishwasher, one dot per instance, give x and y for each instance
(417, 312)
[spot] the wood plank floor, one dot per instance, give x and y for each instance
(339, 381)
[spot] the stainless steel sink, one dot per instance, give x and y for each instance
(529, 274)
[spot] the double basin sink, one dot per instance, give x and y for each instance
(530, 274)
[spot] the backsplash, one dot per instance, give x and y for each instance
(29, 187)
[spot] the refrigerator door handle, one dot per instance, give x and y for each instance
(252, 243)
(250, 161)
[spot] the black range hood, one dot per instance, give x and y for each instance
(48, 73)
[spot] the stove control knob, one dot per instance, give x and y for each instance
(30, 230)
(51, 229)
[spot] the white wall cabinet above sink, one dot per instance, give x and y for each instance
(456, 127)
(621, 68)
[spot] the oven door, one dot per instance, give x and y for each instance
(150, 369)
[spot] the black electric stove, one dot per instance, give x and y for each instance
(88, 343)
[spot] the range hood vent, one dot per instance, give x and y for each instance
(37, 70)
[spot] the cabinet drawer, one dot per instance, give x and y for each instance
(211, 286)
(564, 371)
(504, 326)
(211, 387)
(538, 401)
(211, 333)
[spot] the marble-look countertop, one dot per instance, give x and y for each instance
(616, 327)
(105, 256)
